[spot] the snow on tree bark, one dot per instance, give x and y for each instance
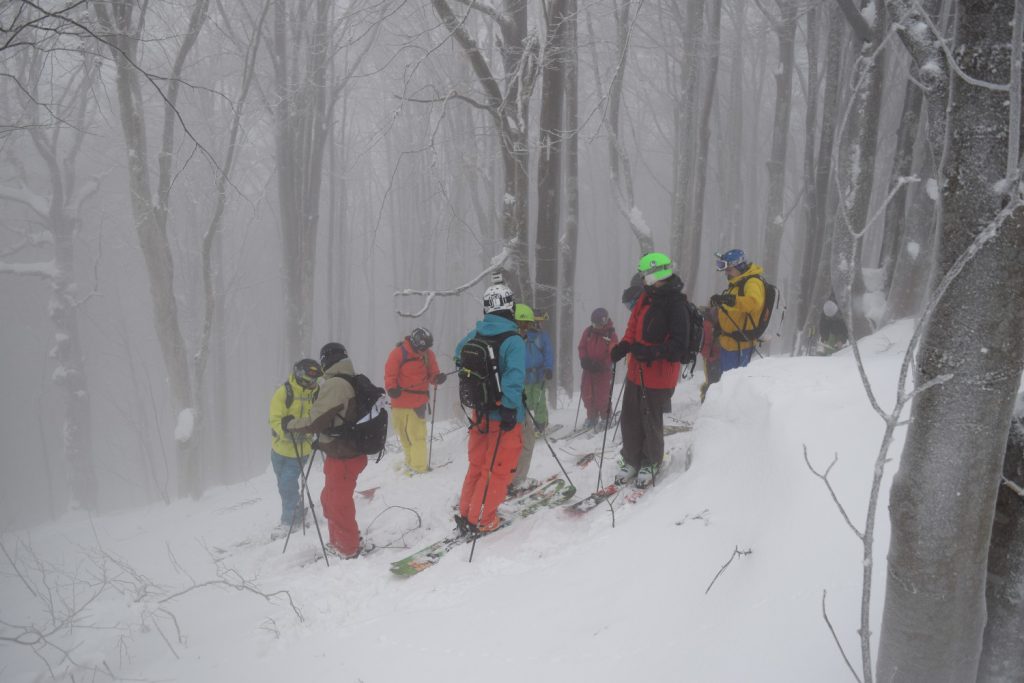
(943, 497)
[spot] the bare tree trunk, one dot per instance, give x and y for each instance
(567, 244)
(549, 171)
(816, 269)
(943, 496)
(151, 215)
(621, 173)
(903, 164)
(775, 226)
(1002, 656)
(300, 54)
(812, 229)
(682, 235)
(855, 177)
(60, 214)
(509, 110)
(713, 48)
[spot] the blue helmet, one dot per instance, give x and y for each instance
(734, 258)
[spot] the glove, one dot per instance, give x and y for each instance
(723, 300)
(395, 392)
(508, 418)
(619, 351)
(644, 353)
(548, 374)
(587, 364)
(439, 379)
(285, 421)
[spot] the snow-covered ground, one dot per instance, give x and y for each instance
(194, 592)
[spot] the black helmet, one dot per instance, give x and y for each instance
(632, 293)
(306, 372)
(331, 353)
(420, 339)
(599, 316)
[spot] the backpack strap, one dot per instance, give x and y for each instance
(289, 395)
(741, 335)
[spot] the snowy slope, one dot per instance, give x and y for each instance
(183, 592)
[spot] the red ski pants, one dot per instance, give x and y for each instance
(596, 389)
(338, 503)
(501, 447)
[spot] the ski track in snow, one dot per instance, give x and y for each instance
(551, 598)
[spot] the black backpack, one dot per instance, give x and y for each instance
(367, 431)
(479, 380)
(695, 337)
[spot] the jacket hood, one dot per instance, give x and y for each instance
(673, 284)
(342, 367)
(752, 269)
(495, 324)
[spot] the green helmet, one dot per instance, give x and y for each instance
(654, 266)
(524, 314)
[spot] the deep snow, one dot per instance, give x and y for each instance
(551, 598)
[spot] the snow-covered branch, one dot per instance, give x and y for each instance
(43, 269)
(496, 263)
(487, 10)
(1014, 486)
(22, 195)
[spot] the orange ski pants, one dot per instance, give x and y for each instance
(338, 502)
(482, 448)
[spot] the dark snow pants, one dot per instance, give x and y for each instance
(643, 439)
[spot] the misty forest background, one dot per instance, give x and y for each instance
(196, 193)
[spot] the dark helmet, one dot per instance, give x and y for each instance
(306, 372)
(420, 339)
(331, 353)
(599, 317)
(632, 293)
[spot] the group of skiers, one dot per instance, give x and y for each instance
(504, 365)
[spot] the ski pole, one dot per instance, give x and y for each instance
(576, 422)
(604, 439)
(618, 401)
(433, 413)
(648, 417)
(548, 444)
(487, 485)
(309, 498)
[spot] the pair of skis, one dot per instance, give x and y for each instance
(549, 493)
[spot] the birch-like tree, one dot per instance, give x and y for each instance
(506, 98)
(943, 496)
(56, 132)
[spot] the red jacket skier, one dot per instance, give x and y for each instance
(595, 358)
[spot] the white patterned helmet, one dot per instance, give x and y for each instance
(498, 298)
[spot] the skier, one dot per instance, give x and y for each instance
(540, 363)
(535, 401)
(632, 293)
(287, 454)
(495, 437)
(410, 370)
(595, 358)
(656, 338)
(342, 465)
(832, 328)
(738, 308)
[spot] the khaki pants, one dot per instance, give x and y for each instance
(525, 455)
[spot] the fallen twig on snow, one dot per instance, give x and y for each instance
(735, 553)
